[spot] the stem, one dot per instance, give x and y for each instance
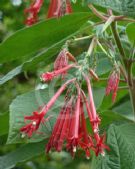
(97, 13)
(118, 42)
(82, 38)
(105, 79)
(91, 47)
(123, 87)
(132, 96)
(127, 65)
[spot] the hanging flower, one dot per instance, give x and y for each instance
(59, 8)
(60, 129)
(33, 11)
(37, 118)
(73, 136)
(101, 146)
(61, 60)
(113, 83)
(50, 75)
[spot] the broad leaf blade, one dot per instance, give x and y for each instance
(124, 7)
(121, 140)
(28, 41)
(22, 154)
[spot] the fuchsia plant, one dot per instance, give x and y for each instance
(71, 124)
(70, 131)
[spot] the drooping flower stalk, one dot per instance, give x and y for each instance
(59, 8)
(33, 11)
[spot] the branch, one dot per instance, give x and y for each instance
(97, 13)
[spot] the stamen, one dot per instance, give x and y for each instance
(34, 123)
(74, 149)
(87, 157)
(96, 130)
(23, 135)
(103, 154)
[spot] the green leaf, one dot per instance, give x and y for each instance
(22, 154)
(131, 32)
(29, 41)
(47, 57)
(96, 93)
(108, 117)
(125, 109)
(4, 124)
(103, 66)
(108, 103)
(11, 74)
(124, 7)
(121, 140)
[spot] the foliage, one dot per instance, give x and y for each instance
(29, 51)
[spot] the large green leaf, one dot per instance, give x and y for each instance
(121, 140)
(46, 56)
(124, 7)
(29, 41)
(21, 154)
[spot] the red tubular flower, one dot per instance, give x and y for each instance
(50, 144)
(73, 136)
(59, 8)
(100, 147)
(50, 75)
(113, 83)
(92, 106)
(85, 142)
(33, 11)
(61, 61)
(60, 129)
(37, 118)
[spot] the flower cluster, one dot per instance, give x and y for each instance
(70, 130)
(57, 8)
